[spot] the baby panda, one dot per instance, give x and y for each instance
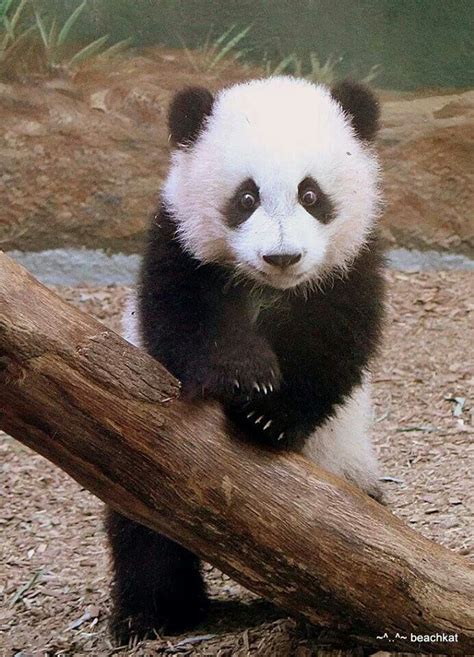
(262, 288)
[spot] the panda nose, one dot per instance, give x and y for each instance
(282, 260)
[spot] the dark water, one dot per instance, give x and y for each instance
(417, 43)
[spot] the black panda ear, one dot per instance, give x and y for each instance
(361, 106)
(188, 110)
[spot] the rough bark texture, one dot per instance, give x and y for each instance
(111, 417)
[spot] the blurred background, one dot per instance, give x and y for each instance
(84, 91)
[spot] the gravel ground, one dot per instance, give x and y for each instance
(53, 591)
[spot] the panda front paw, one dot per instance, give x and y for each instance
(254, 382)
(264, 426)
(271, 427)
(237, 377)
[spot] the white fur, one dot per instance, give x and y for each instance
(342, 444)
(276, 131)
(130, 324)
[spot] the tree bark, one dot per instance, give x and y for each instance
(111, 417)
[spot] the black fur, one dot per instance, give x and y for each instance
(187, 114)
(323, 210)
(233, 211)
(361, 106)
(311, 351)
(198, 325)
(157, 583)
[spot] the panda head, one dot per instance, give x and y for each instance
(274, 178)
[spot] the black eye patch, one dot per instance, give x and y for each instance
(315, 201)
(242, 204)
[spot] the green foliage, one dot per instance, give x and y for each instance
(20, 28)
(219, 53)
(110, 52)
(55, 38)
(13, 33)
(313, 69)
(418, 43)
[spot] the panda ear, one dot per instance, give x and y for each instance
(360, 105)
(187, 113)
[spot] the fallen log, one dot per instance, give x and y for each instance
(111, 417)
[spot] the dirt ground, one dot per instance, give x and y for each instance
(54, 590)
(84, 154)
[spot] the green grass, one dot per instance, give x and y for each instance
(313, 69)
(218, 54)
(215, 55)
(36, 41)
(55, 39)
(14, 35)
(25, 29)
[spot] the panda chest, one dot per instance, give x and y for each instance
(260, 304)
(254, 309)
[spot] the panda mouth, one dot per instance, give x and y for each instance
(282, 280)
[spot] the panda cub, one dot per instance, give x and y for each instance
(261, 287)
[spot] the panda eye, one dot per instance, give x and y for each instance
(316, 203)
(308, 198)
(247, 201)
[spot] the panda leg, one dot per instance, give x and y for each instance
(157, 585)
(343, 446)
